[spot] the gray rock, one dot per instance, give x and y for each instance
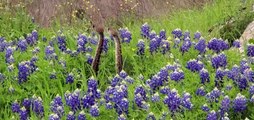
(247, 35)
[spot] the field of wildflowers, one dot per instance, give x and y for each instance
(167, 74)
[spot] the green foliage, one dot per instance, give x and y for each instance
(40, 84)
(235, 25)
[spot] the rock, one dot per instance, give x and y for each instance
(247, 35)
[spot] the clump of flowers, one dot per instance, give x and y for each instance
(194, 65)
(219, 60)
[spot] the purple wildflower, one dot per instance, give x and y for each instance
(236, 44)
(194, 65)
(197, 35)
(219, 61)
(70, 116)
(211, 115)
(70, 78)
(240, 103)
(94, 111)
(150, 116)
(82, 115)
(201, 91)
(204, 76)
(141, 47)
(163, 34)
(201, 46)
(145, 30)
(177, 75)
(205, 108)
(250, 50)
(177, 33)
(23, 114)
(15, 107)
(53, 117)
(173, 101)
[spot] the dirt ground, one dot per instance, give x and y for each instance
(44, 11)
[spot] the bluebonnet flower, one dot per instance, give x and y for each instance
(251, 90)
(30, 39)
(177, 33)
(125, 35)
(234, 73)
(70, 78)
(186, 101)
(164, 90)
(171, 67)
(122, 106)
(212, 115)
(150, 116)
(50, 53)
(123, 74)
(153, 46)
(204, 76)
(225, 104)
(129, 79)
(240, 103)
(35, 35)
(9, 55)
(70, 116)
(82, 115)
(23, 114)
(89, 59)
(152, 35)
(53, 117)
(194, 65)
(186, 34)
(73, 99)
(177, 75)
(205, 108)
(56, 106)
(214, 95)
(163, 34)
(197, 35)
(82, 40)
(219, 61)
(219, 77)
(89, 49)
(93, 40)
(155, 97)
(201, 91)
(109, 105)
(3, 44)
(105, 45)
(250, 50)
(94, 111)
(24, 71)
(121, 117)
(145, 30)
(141, 47)
(243, 67)
(185, 46)
(201, 46)
(37, 106)
(173, 101)
(22, 45)
(215, 45)
(61, 42)
(242, 82)
(154, 82)
(236, 44)
(140, 95)
(224, 44)
(116, 80)
(15, 107)
(176, 42)
(27, 104)
(165, 46)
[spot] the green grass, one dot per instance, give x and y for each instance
(201, 19)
